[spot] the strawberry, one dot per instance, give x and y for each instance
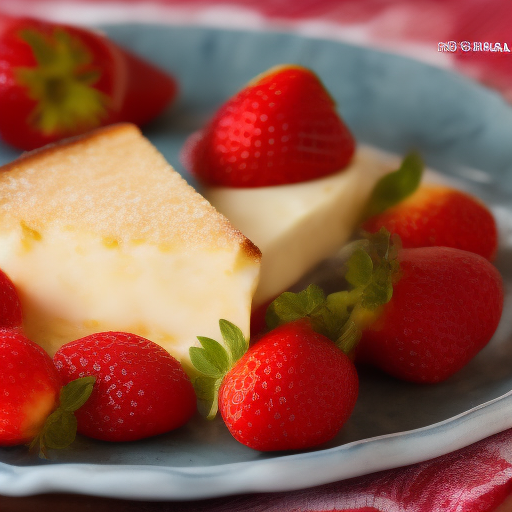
(293, 389)
(281, 128)
(149, 91)
(440, 216)
(444, 309)
(33, 407)
(429, 215)
(57, 81)
(10, 305)
(140, 389)
(418, 314)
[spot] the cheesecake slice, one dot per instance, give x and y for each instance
(296, 226)
(99, 233)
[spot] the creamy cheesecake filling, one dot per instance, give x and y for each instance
(296, 226)
(74, 283)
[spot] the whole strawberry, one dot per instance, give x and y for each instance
(140, 389)
(10, 306)
(440, 216)
(293, 389)
(34, 407)
(57, 81)
(281, 128)
(444, 309)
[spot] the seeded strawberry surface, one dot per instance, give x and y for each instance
(30, 388)
(293, 389)
(140, 389)
(445, 308)
(282, 128)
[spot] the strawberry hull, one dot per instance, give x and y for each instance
(18, 102)
(58, 81)
(445, 308)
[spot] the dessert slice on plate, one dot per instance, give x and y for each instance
(298, 225)
(100, 233)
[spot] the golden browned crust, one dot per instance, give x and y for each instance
(27, 156)
(113, 183)
(250, 249)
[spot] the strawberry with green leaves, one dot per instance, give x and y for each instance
(418, 314)
(58, 81)
(293, 389)
(34, 407)
(427, 215)
(444, 309)
(281, 128)
(140, 389)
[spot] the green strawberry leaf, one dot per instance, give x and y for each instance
(43, 51)
(383, 250)
(359, 268)
(349, 337)
(234, 339)
(213, 361)
(376, 294)
(379, 244)
(328, 319)
(63, 84)
(74, 394)
(207, 392)
(289, 306)
(395, 186)
(59, 430)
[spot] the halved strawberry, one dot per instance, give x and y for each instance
(283, 127)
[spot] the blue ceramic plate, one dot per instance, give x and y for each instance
(391, 102)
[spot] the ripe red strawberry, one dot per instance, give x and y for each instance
(57, 81)
(281, 128)
(292, 389)
(30, 388)
(34, 407)
(440, 216)
(10, 305)
(140, 389)
(444, 309)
